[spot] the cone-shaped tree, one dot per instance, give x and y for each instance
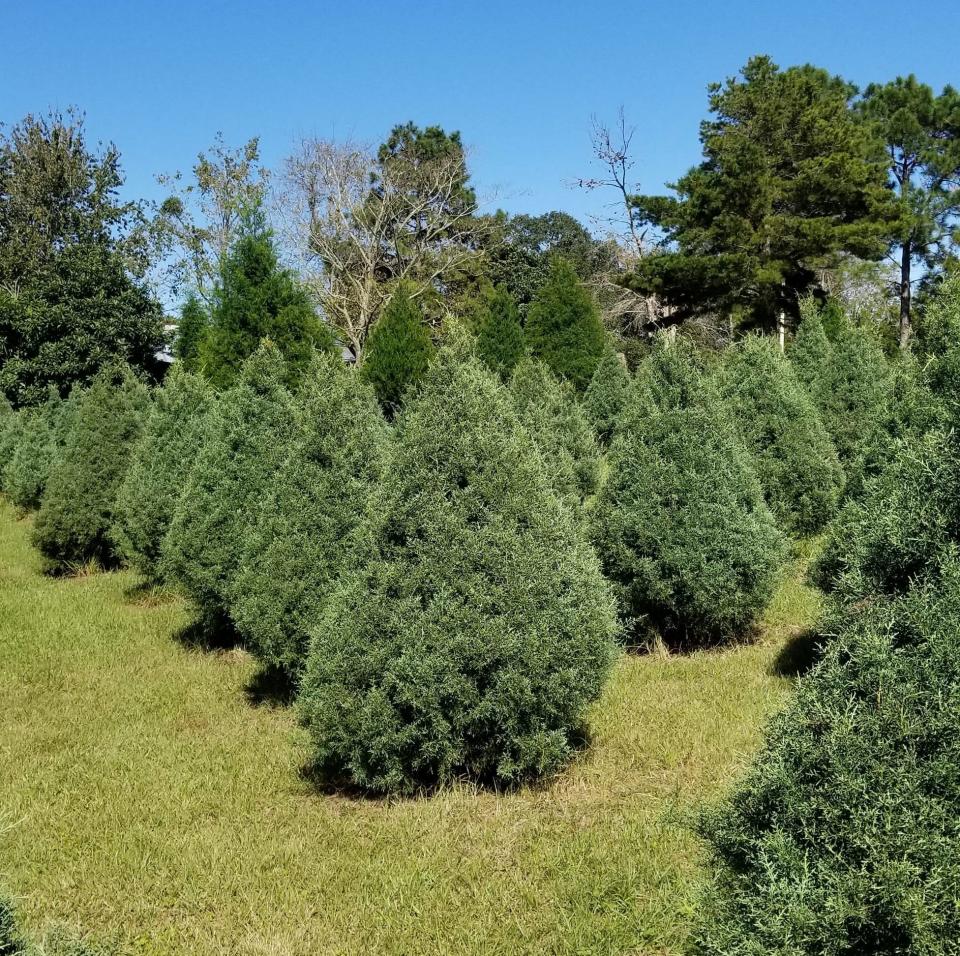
(79, 502)
(30, 464)
(192, 331)
(681, 524)
(255, 299)
(480, 627)
(499, 334)
(248, 438)
(398, 351)
(810, 350)
(793, 455)
(560, 430)
(159, 467)
(309, 529)
(564, 328)
(842, 838)
(607, 394)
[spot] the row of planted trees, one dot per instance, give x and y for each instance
(446, 585)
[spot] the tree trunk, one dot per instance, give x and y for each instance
(905, 256)
(781, 331)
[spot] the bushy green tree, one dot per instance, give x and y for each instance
(36, 450)
(680, 524)
(257, 299)
(938, 344)
(192, 331)
(78, 508)
(810, 350)
(564, 328)
(842, 837)
(247, 440)
(398, 350)
(479, 628)
(72, 294)
(499, 334)
(607, 394)
(309, 529)
(560, 430)
(900, 527)
(792, 453)
(160, 464)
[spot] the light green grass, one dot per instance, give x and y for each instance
(145, 799)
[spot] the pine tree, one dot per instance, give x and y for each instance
(680, 524)
(192, 331)
(499, 334)
(250, 429)
(28, 469)
(480, 626)
(78, 509)
(560, 431)
(254, 300)
(563, 327)
(309, 530)
(160, 464)
(607, 394)
(398, 351)
(810, 350)
(793, 455)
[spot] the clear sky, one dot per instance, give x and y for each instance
(520, 80)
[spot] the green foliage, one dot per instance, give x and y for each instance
(160, 463)
(789, 178)
(8, 434)
(810, 351)
(843, 837)
(78, 509)
(72, 299)
(246, 442)
(11, 942)
(309, 529)
(938, 344)
(793, 455)
(398, 351)
(499, 333)
(480, 627)
(680, 524)
(56, 943)
(563, 326)
(607, 395)
(36, 450)
(254, 300)
(192, 331)
(900, 527)
(560, 431)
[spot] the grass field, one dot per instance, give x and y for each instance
(146, 798)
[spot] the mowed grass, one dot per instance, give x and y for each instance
(147, 800)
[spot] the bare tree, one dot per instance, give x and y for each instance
(359, 223)
(196, 225)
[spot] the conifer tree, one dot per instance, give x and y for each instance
(810, 350)
(499, 334)
(78, 509)
(256, 299)
(29, 466)
(480, 626)
(398, 351)
(563, 326)
(309, 529)
(160, 464)
(607, 394)
(560, 430)
(249, 434)
(793, 455)
(680, 524)
(192, 331)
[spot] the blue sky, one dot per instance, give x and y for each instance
(520, 80)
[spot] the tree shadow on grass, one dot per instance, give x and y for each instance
(215, 633)
(798, 655)
(271, 687)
